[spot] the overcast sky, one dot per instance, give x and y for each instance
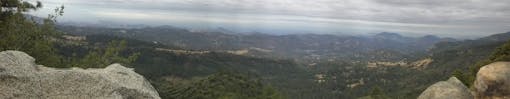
(452, 18)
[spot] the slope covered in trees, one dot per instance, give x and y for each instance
(52, 48)
(463, 58)
(174, 69)
(345, 79)
(223, 85)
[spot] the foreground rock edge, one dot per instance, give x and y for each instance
(21, 77)
(492, 82)
(450, 89)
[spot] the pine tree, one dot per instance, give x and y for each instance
(104, 57)
(18, 32)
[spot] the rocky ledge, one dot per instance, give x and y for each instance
(21, 78)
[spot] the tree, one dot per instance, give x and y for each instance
(502, 53)
(10, 8)
(465, 78)
(377, 93)
(18, 32)
(104, 57)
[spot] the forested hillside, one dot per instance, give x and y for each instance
(463, 58)
(325, 79)
(165, 67)
(171, 67)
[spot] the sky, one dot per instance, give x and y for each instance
(447, 18)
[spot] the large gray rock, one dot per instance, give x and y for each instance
(451, 89)
(21, 78)
(493, 81)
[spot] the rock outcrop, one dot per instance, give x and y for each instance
(450, 89)
(21, 78)
(493, 81)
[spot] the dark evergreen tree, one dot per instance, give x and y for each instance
(23, 33)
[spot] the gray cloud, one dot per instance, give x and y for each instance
(442, 17)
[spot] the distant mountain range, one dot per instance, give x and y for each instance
(318, 47)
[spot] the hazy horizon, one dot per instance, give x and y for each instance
(445, 18)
